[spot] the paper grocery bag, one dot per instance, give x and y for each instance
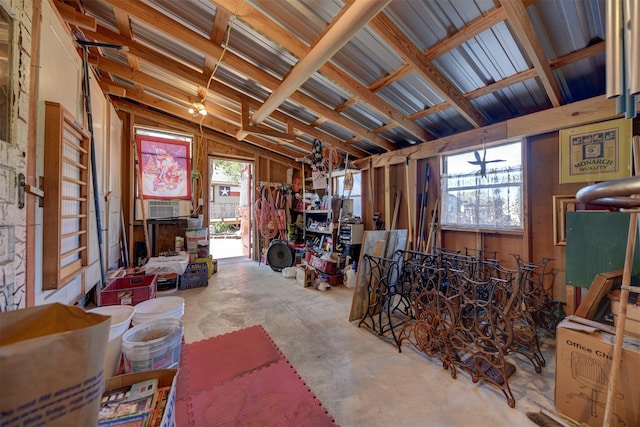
(51, 366)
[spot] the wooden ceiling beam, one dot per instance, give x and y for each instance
(111, 87)
(136, 9)
(148, 55)
(181, 97)
(211, 123)
(521, 24)
(185, 98)
(423, 66)
(254, 18)
(246, 151)
(72, 16)
(579, 113)
(124, 26)
(466, 33)
(578, 55)
(564, 60)
(397, 74)
(220, 23)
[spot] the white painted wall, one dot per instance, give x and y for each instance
(61, 75)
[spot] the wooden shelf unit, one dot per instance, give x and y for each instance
(66, 202)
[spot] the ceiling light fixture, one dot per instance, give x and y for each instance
(199, 108)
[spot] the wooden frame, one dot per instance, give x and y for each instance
(6, 109)
(568, 203)
(66, 204)
(562, 205)
(596, 152)
(165, 167)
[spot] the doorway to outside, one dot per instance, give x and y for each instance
(230, 207)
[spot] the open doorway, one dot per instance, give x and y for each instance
(230, 203)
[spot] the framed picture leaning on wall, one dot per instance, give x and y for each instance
(596, 152)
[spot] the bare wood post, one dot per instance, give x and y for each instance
(141, 198)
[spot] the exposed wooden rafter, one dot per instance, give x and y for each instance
(521, 24)
(230, 106)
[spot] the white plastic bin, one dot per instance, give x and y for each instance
(121, 316)
(153, 345)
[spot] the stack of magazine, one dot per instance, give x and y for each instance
(138, 405)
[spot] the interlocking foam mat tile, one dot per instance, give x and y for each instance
(242, 379)
(214, 360)
(272, 396)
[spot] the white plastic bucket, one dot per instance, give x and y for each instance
(193, 236)
(166, 307)
(153, 345)
(121, 316)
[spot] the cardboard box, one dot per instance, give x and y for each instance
(166, 378)
(583, 365)
(304, 276)
(632, 321)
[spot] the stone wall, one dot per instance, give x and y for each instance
(13, 158)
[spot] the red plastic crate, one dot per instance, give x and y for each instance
(326, 267)
(128, 290)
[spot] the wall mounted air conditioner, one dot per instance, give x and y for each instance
(163, 209)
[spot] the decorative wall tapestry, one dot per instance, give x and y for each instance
(597, 152)
(165, 166)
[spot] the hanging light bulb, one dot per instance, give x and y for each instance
(198, 108)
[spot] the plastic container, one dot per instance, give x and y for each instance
(203, 248)
(153, 345)
(128, 290)
(194, 236)
(121, 316)
(196, 275)
(168, 307)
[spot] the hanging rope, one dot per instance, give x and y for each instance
(267, 207)
(199, 146)
(332, 153)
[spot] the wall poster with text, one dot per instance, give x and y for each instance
(597, 152)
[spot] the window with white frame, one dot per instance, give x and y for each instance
(482, 189)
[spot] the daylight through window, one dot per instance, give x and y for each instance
(492, 201)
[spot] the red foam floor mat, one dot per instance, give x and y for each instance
(273, 396)
(242, 379)
(215, 360)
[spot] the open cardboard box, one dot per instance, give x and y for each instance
(166, 377)
(583, 364)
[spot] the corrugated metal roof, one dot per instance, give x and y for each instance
(562, 27)
(196, 15)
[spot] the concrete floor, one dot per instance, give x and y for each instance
(359, 378)
(221, 248)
